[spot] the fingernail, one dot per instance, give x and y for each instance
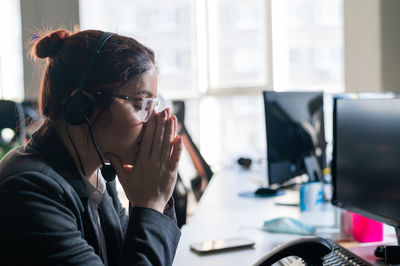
(128, 168)
(179, 140)
(164, 114)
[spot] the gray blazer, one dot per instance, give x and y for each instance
(45, 218)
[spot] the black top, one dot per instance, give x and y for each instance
(46, 218)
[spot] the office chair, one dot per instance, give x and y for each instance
(11, 117)
(180, 195)
(204, 172)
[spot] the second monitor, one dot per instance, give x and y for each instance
(295, 135)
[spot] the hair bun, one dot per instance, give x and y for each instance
(50, 44)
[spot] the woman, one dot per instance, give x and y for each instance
(97, 95)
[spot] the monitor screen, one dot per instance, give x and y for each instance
(295, 132)
(366, 152)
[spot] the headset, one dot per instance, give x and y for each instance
(80, 105)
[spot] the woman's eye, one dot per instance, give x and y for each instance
(137, 106)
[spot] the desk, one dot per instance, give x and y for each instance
(221, 213)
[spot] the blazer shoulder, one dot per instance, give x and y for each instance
(21, 171)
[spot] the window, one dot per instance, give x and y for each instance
(237, 43)
(308, 45)
(230, 127)
(11, 69)
(215, 54)
(166, 26)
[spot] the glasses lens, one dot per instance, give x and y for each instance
(147, 110)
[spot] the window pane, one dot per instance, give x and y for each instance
(231, 127)
(166, 26)
(11, 68)
(237, 43)
(308, 44)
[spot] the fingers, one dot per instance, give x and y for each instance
(148, 136)
(176, 153)
(159, 135)
(167, 142)
(175, 124)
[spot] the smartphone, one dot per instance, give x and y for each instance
(223, 244)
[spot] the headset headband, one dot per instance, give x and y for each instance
(92, 59)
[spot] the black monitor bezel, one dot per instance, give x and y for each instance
(323, 132)
(334, 201)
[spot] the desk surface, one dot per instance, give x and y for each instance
(221, 214)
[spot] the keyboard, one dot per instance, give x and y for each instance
(342, 256)
(338, 256)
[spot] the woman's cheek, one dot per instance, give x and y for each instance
(131, 133)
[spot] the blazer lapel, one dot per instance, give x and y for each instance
(89, 224)
(112, 228)
(49, 144)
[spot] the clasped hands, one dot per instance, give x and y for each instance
(150, 181)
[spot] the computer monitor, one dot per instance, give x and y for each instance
(295, 135)
(366, 153)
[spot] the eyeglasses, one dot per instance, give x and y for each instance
(143, 106)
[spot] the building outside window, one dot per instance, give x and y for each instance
(219, 55)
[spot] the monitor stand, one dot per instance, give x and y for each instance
(387, 254)
(391, 254)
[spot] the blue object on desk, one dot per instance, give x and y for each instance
(311, 196)
(287, 225)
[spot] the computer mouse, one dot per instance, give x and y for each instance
(244, 162)
(380, 252)
(266, 191)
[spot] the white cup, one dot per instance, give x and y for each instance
(311, 196)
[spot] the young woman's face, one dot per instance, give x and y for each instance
(121, 131)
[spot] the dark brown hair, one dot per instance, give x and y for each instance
(121, 59)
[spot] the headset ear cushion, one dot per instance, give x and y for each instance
(78, 108)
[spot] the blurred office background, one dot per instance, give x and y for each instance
(219, 55)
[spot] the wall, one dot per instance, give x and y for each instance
(390, 34)
(40, 15)
(362, 45)
(372, 41)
